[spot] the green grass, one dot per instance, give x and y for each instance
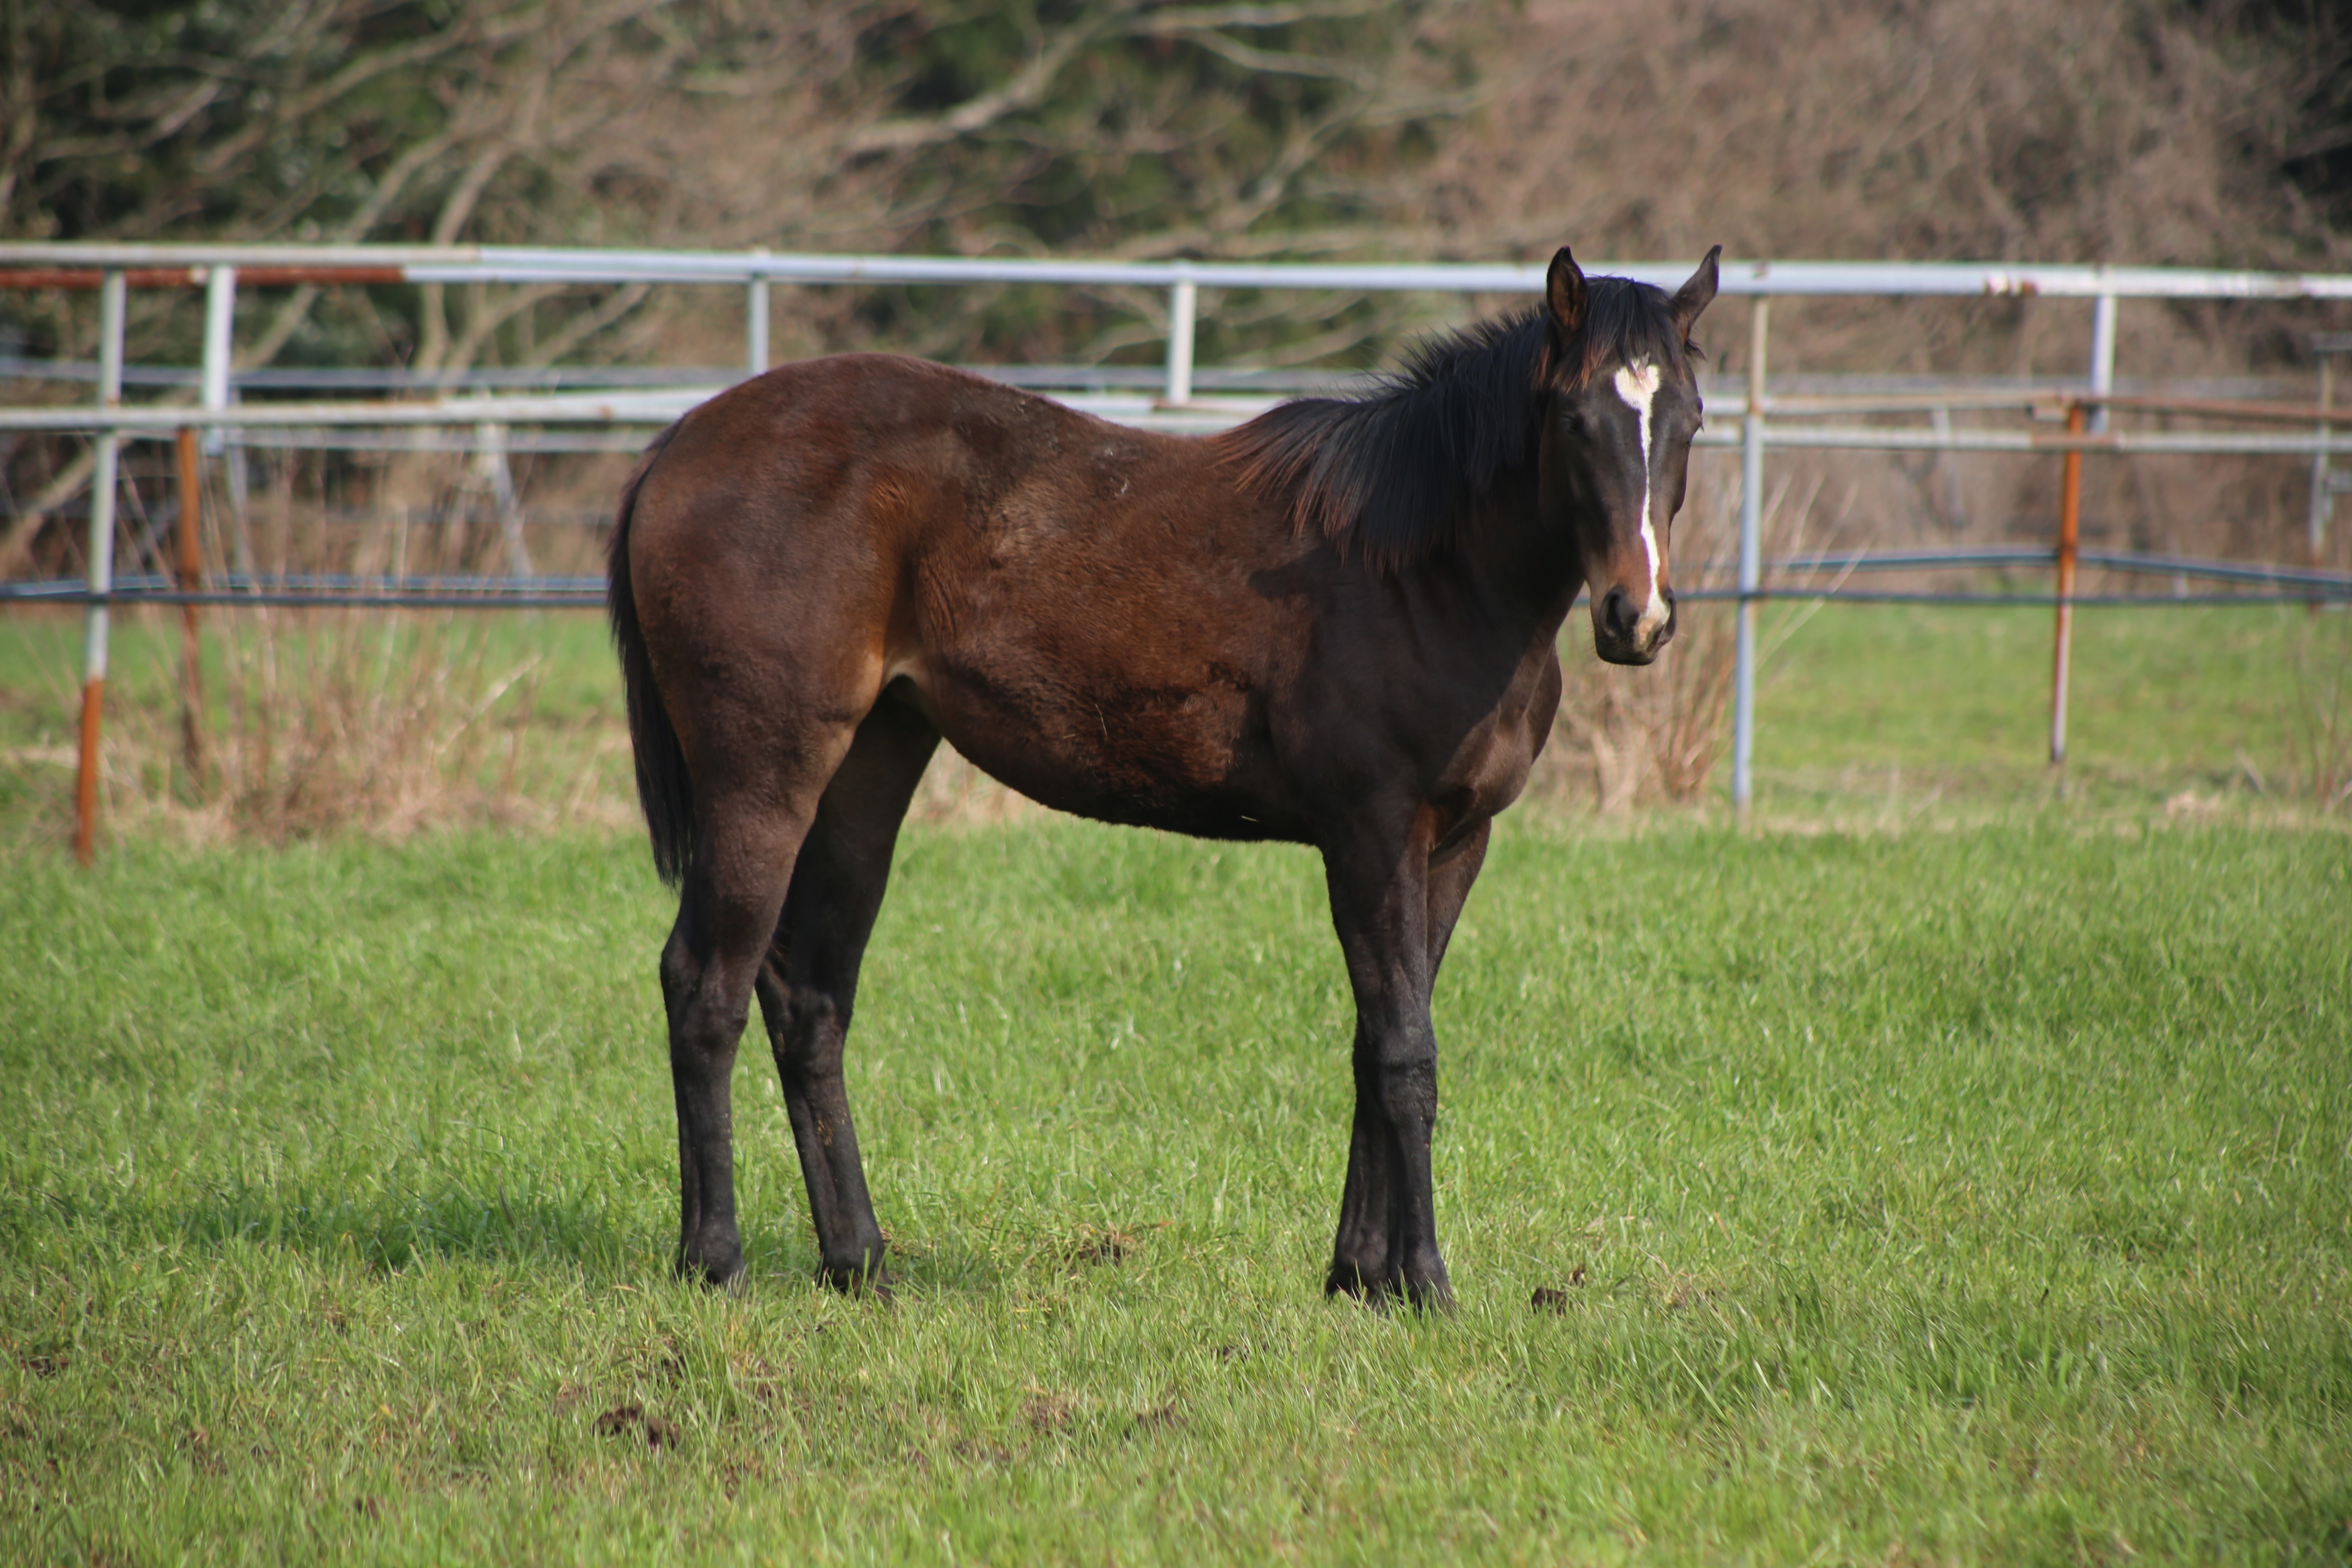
(1939, 705)
(1980, 1196)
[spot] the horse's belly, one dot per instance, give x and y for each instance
(1183, 756)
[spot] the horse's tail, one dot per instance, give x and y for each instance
(665, 789)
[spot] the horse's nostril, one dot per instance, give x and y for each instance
(1617, 613)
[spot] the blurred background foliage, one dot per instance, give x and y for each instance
(2199, 132)
(1122, 128)
(2195, 132)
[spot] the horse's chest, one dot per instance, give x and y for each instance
(1490, 769)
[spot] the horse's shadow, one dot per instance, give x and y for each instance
(390, 1230)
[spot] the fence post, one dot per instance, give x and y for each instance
(220, 341)
(2103, 358)
(111, 298)
(755, 321)
(1182, 301)
(2323, 477)
(1751, 560)
(192, 581)
(2070, 522)
(497, 476)
(220, 317)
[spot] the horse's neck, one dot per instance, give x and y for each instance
(1528, 573)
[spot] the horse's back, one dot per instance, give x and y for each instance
(903, 456)
(1079, 606)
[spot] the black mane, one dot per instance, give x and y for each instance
(1398, 473)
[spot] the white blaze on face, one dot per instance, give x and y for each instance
(1638, 386)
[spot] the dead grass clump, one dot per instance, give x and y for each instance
(953, 790)
(322, 723)
(1653, 733)
(2319, 710)
(1638, 735)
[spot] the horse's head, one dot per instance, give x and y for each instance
(1621, 406)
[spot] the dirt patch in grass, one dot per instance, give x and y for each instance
(623, 1420)
(1048, 1412)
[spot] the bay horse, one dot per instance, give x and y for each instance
(1336, 625)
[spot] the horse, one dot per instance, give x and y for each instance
(1336, 625)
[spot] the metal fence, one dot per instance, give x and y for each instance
(481, 412)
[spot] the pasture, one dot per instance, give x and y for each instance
(1975, 1195)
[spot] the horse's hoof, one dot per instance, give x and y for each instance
(719, 1271)
(870, 1280)
(1435, 1297)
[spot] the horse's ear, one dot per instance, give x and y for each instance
(1697, 292)
(1564, 292)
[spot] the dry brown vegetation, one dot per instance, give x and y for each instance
(2124, 130)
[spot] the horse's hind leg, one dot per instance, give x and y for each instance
(742, 863)
(809, 983)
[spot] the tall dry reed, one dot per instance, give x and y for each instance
(326, 722)
(2318, 712)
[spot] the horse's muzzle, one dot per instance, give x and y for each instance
(1619, 635)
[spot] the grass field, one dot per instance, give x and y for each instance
(1981, 1196)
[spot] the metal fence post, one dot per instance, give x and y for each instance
(220, 317)
(190, 532)
(2103, 358)
(2323, 477)
(2069, 523)
(220, 344)
(111, 299)
(1182, 301)
(755, 321)
(498, 476)
(1751, 560)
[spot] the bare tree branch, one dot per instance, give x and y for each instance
(1025, 91)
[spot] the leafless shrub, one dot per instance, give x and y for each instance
(1653, 733)
(953, 790)
(327, 721)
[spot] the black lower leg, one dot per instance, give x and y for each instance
(809, 985)
(1361, 1251)
(1410, 1096)
(1393, 908)
(702, 1058)
(805, 1031)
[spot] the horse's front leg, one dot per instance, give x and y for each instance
(1391, 930)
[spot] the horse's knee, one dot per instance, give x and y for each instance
(1409, 1093)
(678, 970)
(708, 1005)
(808, 1033)
(708, 1027)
